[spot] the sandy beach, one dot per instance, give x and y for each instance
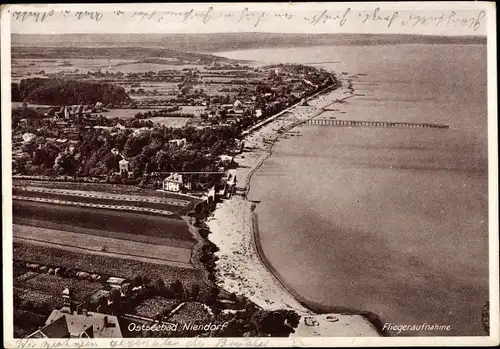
(240, 268)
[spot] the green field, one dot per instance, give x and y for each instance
(92, 263)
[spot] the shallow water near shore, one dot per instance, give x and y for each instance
(391, 221)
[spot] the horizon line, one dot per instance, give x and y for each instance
(257, 32)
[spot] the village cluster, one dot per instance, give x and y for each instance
(128, 163)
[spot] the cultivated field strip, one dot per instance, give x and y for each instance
(101, 195)
(105, 233)
(130, 222)
(151, 253)
(83, 199)
(84, 204)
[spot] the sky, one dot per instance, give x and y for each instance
(439, 18)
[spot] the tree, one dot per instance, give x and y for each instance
(176, 289)
(276, 323)
(212, 296)
(233, 297)
(159, 286)
(65, 164)
(195, 291)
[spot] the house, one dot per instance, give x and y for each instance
(85, 325)
(226, 160)
(240, 145)
(67, 323)
(116, 282)
(174, 183)
(178, 142)
(124, 168)
(230, 184)
(237, 104)
(28, 137)
(211, 196)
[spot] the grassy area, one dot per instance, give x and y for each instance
(52, 286)
(33, 300)
(101, 264)
(24, 275)
(154, 306)
(102, 219)
(191, 312)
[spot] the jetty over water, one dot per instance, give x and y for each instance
(384, 124)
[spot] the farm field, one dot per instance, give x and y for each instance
(114, 198)
(82, 199)
(100, 264)
(28, 298)
(52, 286)
(102, 219)
(139, 67)
(22, 68)
(105, 233)
(30, 105)
(125, 113)
(176, 122)
(153, 253)
(102, 188)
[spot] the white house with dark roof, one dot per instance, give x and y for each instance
(178, 142)
(175, 182)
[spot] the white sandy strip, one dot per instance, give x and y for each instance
(102, 195)
(239, 268)
(158, 254)
(86, 204)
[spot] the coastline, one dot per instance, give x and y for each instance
(242, 267)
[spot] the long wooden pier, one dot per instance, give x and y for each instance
(384, 124)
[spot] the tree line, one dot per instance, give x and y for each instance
(55, 91)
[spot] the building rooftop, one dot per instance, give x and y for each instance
(89, 324)
(174, 177)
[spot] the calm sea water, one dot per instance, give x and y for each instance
(392, 221)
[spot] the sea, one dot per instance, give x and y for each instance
(388, 221)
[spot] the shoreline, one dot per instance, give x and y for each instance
(243, 267)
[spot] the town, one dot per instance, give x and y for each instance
(115, 167)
